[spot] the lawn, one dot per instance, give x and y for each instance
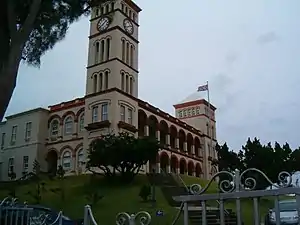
(118, 198)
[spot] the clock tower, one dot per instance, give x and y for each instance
(112, 70)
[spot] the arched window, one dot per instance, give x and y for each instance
(122, 81)
(81, 122)
(131, 55)
(102, 51)
(68, 125)
(101, 82)
(127, 84)
(107, 48)
(107, 8)
(130, 13)
(130, 85)
(123, 50)
(95, 78)
(127, 53)
(97, 48)
(106, 80)
(112, 6)
(54, 128)
(80, 158)
(97, 12)
(126, 10)
(67, 160)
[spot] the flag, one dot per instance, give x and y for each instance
(203, 88)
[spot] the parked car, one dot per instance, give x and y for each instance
(288, 213)
(39, 215)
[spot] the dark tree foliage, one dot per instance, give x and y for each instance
(28, 29)
(121, 154)
(271, 160)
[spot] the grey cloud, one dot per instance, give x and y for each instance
(267, 38)
(231, 58)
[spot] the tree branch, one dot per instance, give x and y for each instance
(29, 22)
(11, 19)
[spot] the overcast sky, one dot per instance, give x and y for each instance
(249, 51)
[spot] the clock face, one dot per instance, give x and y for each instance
(128, 26)
(103, 24)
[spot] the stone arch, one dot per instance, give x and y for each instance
(190, 143)
(173, 136)
(52, 159)
(174, 163)
(197, 146)
(153, 125)
(142, 122)
(68, 113)
(191, 168)
(198, 170)
(78, 114)
(182, 139)
(164, 131)
(66, 147)
(164, 161)
(182, 166)
(53, 117)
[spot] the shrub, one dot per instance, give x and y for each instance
(145, 192)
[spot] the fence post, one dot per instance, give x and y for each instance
(86, 215)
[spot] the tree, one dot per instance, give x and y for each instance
(121, 154)
(28, 29)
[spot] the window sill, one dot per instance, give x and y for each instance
(98, 125)
(127, 126)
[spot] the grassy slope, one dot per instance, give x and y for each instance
(120, 198)
(117, 198)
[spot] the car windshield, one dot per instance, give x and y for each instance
(287, 206)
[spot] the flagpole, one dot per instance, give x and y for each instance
(210, 134)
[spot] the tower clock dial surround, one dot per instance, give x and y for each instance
(103, 23)
(128, 26)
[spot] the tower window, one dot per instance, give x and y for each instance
(97, 48)
(97, 12)
(131, 55)
(127, 53)
(130, 85)
(122, 7)
(106, 80)
(123, 50)
(112, 6)
(122, 81)
(130, 14)
(127, 84)
(134, 17)
(95, 83)
(107, 8)
(102, 51)
(126, 10)
(102, 10)
(100, 81)
(107, 48)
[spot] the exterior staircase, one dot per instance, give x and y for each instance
(172, 185)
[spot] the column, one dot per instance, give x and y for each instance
(193, 149)
(146, 130)
(169, 168)
(177, 143)
(158, 167)
(178, 170)
(185, 146)
(158, 135)
(168, 139)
